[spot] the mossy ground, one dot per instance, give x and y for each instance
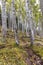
(38, 50)
(12, 54)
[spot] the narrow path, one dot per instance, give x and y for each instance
(33, 59)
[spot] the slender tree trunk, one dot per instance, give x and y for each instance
(14, 25)
(4, 22)
(22, 27)
(10, 23)
(40, 32)
(29, 20)
(9, 27)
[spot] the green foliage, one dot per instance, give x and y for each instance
(35, 9)
(19, 7)
(32, 2)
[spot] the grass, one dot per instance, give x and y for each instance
(12, 54)
(38, 50)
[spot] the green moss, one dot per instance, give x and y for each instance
(38, 50)
(12, 54)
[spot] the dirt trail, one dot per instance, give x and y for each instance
(33, 59)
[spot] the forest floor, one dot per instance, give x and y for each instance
(22, 54)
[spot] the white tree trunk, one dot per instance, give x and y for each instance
(4, 22)
(13, 18)
(29, 20)
(13, 14)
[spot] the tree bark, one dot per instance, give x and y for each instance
(4, 22)
(14, 25)
(29, 20)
